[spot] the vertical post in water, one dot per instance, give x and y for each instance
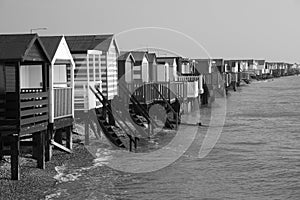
(87, 128)
(15, 150)
(41, 149)
(69, 141)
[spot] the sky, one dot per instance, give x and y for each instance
(229, 29)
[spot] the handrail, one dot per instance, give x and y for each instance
(103, 101)
(170, 107)
(139, 106)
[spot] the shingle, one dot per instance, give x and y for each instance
(14, 46)
(138, 55)
(51, 44)
(152, 57)
(82, 43)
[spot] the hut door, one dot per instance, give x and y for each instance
(11, 93)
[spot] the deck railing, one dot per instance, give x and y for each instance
(146, 93)
(62, 102)
(33, 109)
(194, 85)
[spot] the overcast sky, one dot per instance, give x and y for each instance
(268, 29)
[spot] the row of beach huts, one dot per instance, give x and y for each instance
(47, 83)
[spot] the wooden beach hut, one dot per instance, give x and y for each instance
(24, 97)
(96, 80)
(61, 92)
(152, 67)
(125, 66)
(95, 57)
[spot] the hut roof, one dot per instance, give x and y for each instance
(139, 55)
(152, 57)
(124, 55)
(16, 46)
(170, 60)
(82, 43)
(51, 44)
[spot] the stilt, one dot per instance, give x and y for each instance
(69, 138)
(41, 149)
(87, 129)
(111, 119)
(1, 147)
(49, 147)
(58, 136)
(130, 143)
(34, 145)
(15, 151)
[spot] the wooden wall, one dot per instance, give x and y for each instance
(109, 71)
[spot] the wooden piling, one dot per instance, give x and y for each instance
(48, 145)
(87, 129)
(69, 138)
(15, 151)
(1, 147)
(41, 149)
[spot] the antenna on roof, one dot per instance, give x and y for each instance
(36, 29)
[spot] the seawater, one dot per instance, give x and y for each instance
(256, 157)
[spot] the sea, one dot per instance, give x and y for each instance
(256, 156)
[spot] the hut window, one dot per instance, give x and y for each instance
(31, 76)
(60, 74)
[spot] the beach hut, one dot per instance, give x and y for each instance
(166, 69)
(24, 97)
(125, 66)
(141, 66)
(61, 91)
(96, 68)
(152, 67)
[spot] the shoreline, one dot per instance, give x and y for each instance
(34, 182)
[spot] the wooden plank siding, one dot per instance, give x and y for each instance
(88, 70)
(109, 72)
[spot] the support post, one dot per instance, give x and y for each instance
(15, 151)
(41, 149)
(1, 147)
(130, 143)
(58, 136)
(34, 145)
(87, 129)
(49, 146)
(69, 141)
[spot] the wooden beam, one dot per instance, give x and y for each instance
(61, 147)
(69, 141)
(48, 146)
(41, 150)
(15, 151)
(1, 147)
(87, 129)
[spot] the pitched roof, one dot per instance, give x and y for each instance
(152, 57)
(139, 55)
(124, 55)
(82, 43)
(170, 60)
(51, 44)
(16, 46)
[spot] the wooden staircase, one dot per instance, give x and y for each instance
(108, 131)
(107, 128)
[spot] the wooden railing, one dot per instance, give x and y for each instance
(145, 93)
(194, 85)
(33, 109)
(62, 102)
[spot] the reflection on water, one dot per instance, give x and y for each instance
(256, 157)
